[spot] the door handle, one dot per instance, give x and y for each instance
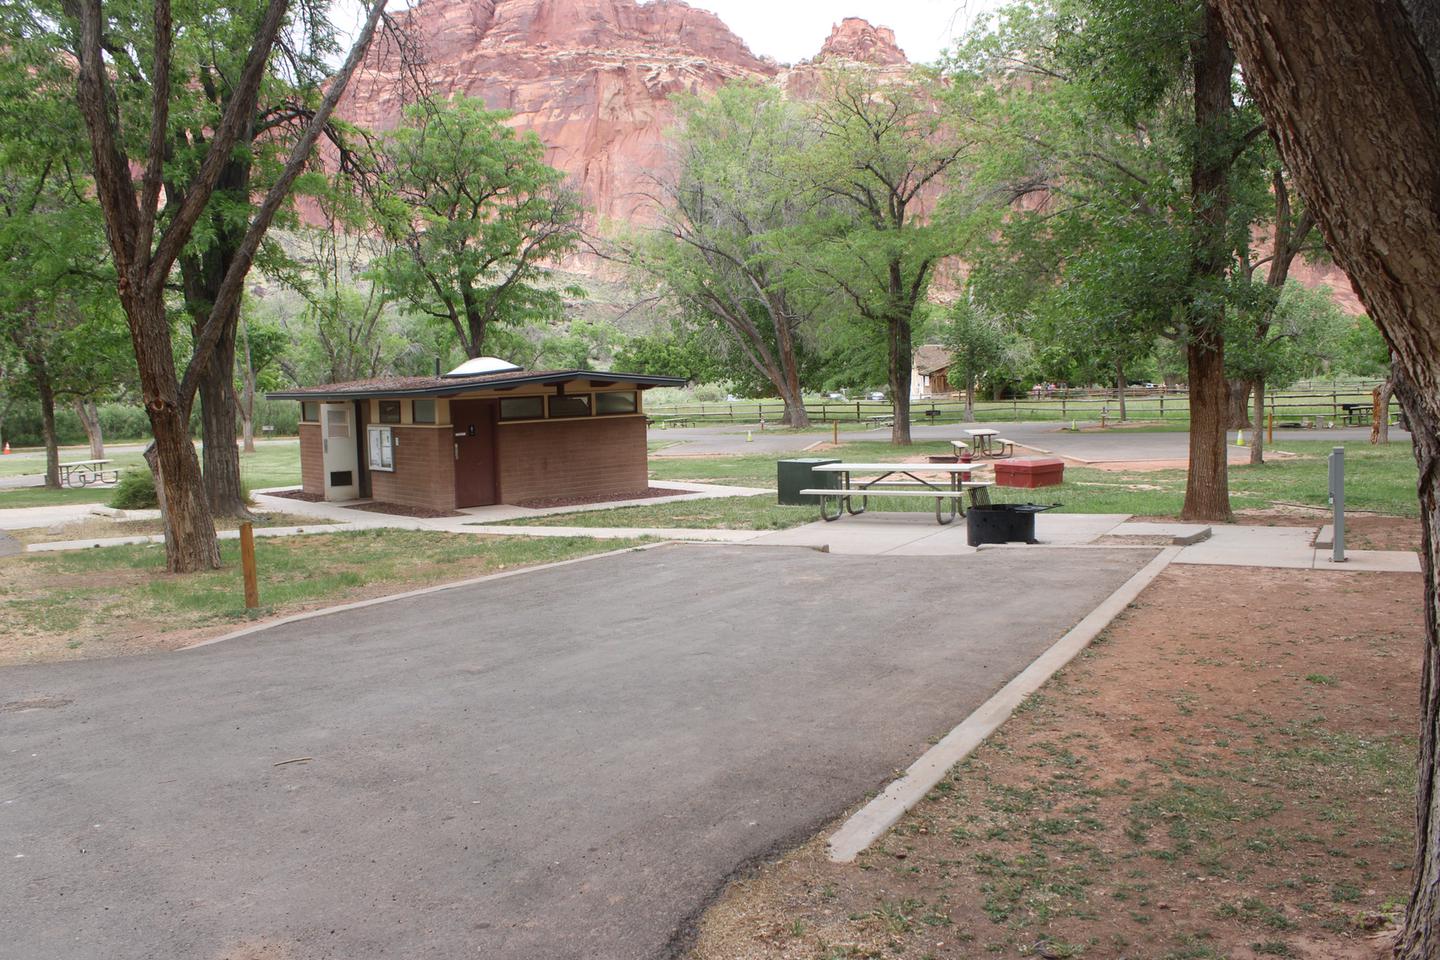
(457, 451)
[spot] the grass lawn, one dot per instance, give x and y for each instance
(1380, 479)
(273, 464)
(116, 600)
(1229, 779)
(96, 528)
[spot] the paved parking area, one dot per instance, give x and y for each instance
(562, 764)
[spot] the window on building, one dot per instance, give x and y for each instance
(310, 411)
(424, 411)
(389, 411)
(611, 404)
(380, 445)
(570, 405)
(522, 408)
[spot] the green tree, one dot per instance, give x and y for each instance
(473, 214)
(129, 60)
(715, 257)
(979, 346)
(882, 156)
(1125, 125)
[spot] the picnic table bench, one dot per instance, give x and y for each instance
(883, 420)
(879, 484)
(79, 473)
(989, 443)
(677, 422)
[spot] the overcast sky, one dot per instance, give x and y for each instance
(791, 30)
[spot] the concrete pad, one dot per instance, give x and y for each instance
(1370, 561)
(560, 765)
(869, 534)
(1251, 546)
(9, 546)
(27, 518)
(1071, 528)
(1181, 534)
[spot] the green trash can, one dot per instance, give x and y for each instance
(792, 476)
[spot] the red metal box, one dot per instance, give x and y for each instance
(1030, 473)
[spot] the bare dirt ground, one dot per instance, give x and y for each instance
(1363, 531)
(1227, 773)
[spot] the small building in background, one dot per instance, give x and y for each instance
(930, 373)
(487, 432)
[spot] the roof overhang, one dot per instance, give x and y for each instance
(460, 386)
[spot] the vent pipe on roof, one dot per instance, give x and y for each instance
(437, 366)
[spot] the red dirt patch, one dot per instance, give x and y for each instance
(296, 494)
(1227, 773)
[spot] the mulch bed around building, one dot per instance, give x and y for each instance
(296, 494)
(1227, 773)
(401, 510)
(545, 503)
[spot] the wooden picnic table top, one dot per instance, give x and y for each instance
(983, 432)
(897, 467)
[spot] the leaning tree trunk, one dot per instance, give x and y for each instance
(1380, 424)
(1348, 89)
(1257, 442)
(89, 416)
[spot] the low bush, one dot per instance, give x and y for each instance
(135, 491)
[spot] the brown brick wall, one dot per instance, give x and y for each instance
(312, 460)
(572, 458)
(424, 470)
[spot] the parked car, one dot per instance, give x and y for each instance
(878, 395)
(835, 396)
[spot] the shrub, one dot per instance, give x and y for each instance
(135, 491)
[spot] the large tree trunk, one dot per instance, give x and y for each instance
(796, 416)
(89, 416)
(1207, 485)
(1207, 489)
(217, 420)
(1348, 89)
(190, 541)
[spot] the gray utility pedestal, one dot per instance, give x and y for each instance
(792, 476)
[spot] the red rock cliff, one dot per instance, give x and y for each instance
(592, 78)
(857, 40)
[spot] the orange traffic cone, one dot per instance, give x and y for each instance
(7, 446)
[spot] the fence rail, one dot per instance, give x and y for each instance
(1348, 404)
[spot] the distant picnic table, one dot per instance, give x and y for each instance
(80, 473)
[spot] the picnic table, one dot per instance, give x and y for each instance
(989, 443)
(876, 480)
(79, 473)
(1358, 413)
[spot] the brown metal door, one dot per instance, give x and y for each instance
(475, 467)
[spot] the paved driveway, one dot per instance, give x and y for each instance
(562, 764)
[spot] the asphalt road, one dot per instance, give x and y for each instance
(1093, 446)
(563, 764)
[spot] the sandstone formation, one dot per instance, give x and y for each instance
(592, 78)
(856, 40)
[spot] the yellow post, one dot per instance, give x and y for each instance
(247, 566)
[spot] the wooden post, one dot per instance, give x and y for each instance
(247, 566)
(1270, 427)
(835, 433)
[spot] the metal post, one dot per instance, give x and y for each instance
(1337, 502)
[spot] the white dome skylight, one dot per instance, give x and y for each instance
(480, 366)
